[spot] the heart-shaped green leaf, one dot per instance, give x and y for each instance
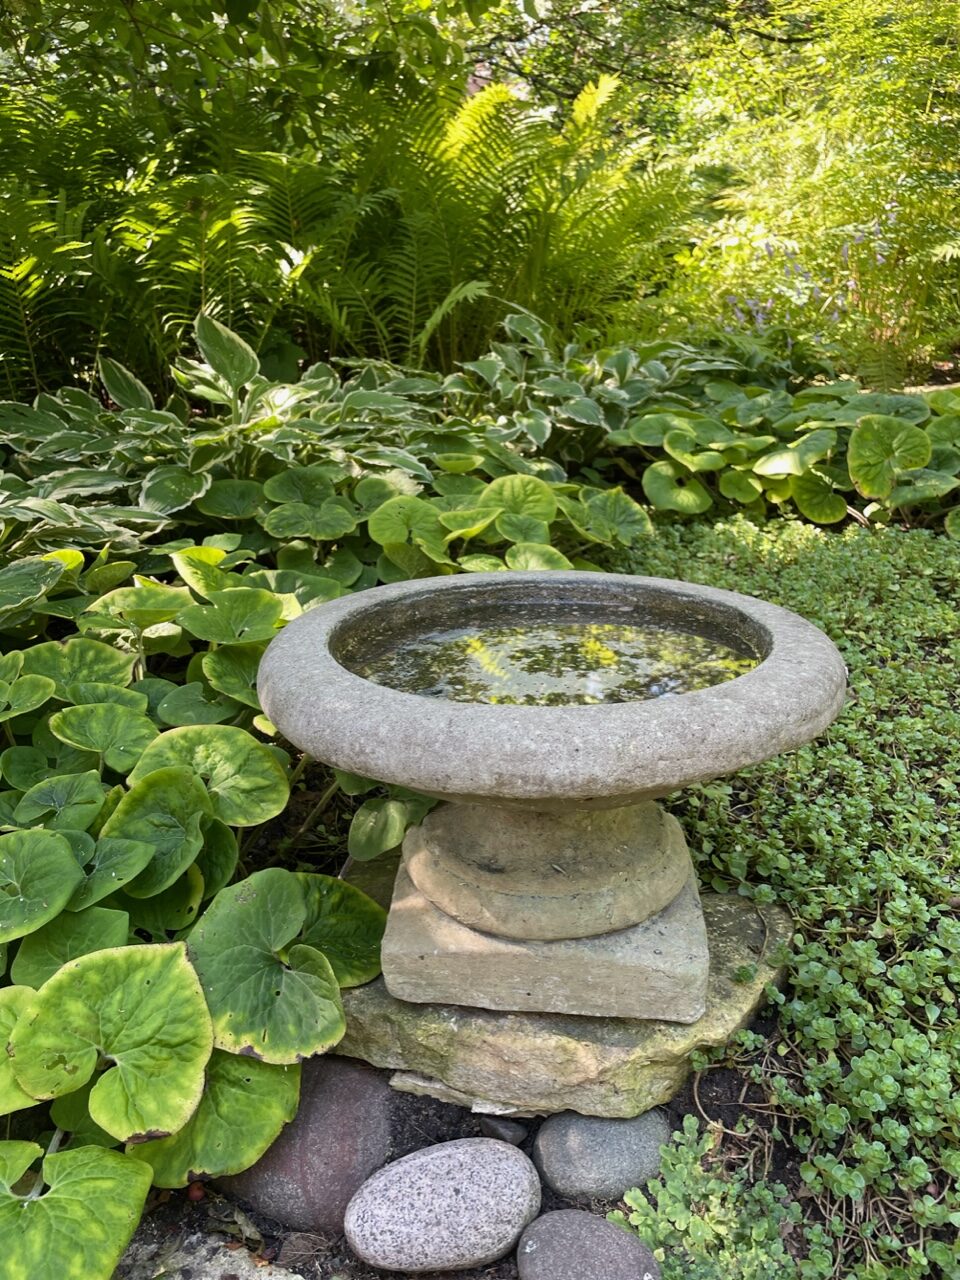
(26, 581)
(76, 660)
(113, 863)
(326, 523)
(626, 518)
(14, 1002)
(198, 567)
(267, 998)
(24, 767)
(521, 528)
(69, 935)
(171, 911)
(144, 606)
(140, 1008)
(671, 487)
(378, 825)
(117, 734)
(816, 500)
(740, 486)
(25, 694)
(243, 615)
(523, 495)
(403, 518)
(244, 1106)
(310, 485)
(246, 782)
(66, 801)
(80, 1226)
(163, 809)
(535, 556)
(217, 860)
(799, 456)
(345, 924)
(86, 691)
(231, 499)
(921, 486)
(195, 704)
(233, 672)
(467, 522)
(38, 874)
(880, 448)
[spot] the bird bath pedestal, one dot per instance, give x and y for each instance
(548, 712)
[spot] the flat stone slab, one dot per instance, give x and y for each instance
(657, 969)
(540, 1063)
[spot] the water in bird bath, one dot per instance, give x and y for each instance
(546, 663)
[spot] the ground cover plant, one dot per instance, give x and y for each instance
(153, 552)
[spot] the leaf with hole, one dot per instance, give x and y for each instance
(65, 801)
(117, 734)
(244, 1106)
(163, 809)
(269, 996)
(246, 782)
(670, 487)
(141, 1009)
(71, 934)
(78, 1228)
(14, 1002)
(38, 874)
(345, 924)
(880, 448)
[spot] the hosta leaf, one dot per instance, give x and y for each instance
(76, 660)
(245, 780)
(816, 500)
(345, 924)
(38, 874)
(114, 863)
(26, 581)
(225, 352)
(243, 615)
(195, 704)
(170, 488)
(71, 934)
(378, 825)
(670, 487)
(66, 800)
(123, 388)
(142, 1009)
(244, 1106)
(231, 499)
(25, 694)
(14, 1002)
(267, 998)
(87, 691)
(626, 518)
(163, 809)
(80, 1226)
(523, 495)
(117, 734)
(535, 556)
(325, 523)
(880, 447)
(583, 410)
(233, 672)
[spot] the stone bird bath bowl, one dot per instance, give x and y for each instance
(548, 711)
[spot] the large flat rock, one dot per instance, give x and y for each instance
(538, 1064)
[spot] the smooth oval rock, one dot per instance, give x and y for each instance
(572, 1244)
(589, 1157)
(341, 1134)
(446, 1208)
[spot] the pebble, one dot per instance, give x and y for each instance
(341, 1134)
(451, 1206)
(589, 1157)
(571, 1244)
(511, 1131)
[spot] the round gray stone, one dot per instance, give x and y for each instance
(446, 1208)
(589, 1157)
(341, 1134)
(501, 1127)
(574, 1245)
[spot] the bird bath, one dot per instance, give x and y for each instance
(549, 711)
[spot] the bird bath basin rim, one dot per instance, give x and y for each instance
(552, 757)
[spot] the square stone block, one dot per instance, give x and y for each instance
(656, 969)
